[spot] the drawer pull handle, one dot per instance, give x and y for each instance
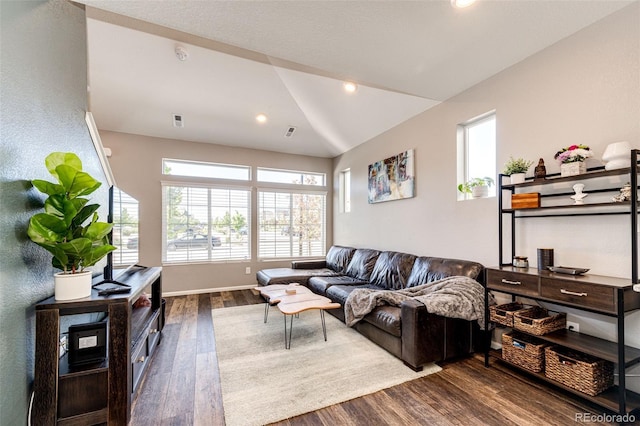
(153, 331)
(141, 359)
(572, 293)
(504, 281)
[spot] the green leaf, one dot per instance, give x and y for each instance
(60, 259)
(84, 214)
(60, 206)
(56, 263)
(44, 227)
(55, 205)
(97, 230)
(96, 254)
(56, 159)
(77, 247)
(83, 184)
(47, 187)
(66, 175)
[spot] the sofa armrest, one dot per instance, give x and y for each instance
(422, 335)
(309, 264)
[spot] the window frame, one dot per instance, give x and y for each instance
(291, 192)
(464, 158)
(344, 189)
(248, 169)
(323, 176)
(209, 225)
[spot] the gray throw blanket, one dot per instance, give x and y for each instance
(453, 297)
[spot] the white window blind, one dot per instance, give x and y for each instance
(203, 224)
(125, 228)
(291, 224)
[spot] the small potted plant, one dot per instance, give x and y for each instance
(477, 187)
(572, 159)
(62, 229)
(516, 169)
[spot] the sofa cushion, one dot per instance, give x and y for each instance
(319, 285)
(362, 263)
(339, 293)
(288, 275)
(338, 258)
(392, 269)
(428, 269)
(386, 318)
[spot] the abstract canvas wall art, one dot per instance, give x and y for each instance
(392, 178)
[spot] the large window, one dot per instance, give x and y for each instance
(290, 177)
(125, 228)
(479, 142)
(291, 224)
(205, 170)
(345, 191)
(204, 224)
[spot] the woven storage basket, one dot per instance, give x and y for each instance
(579, 371)
(539, 321)
(503, 314)
(524, 351)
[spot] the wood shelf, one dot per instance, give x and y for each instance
(596, 172)
(592, 345)
(100, 392)
(573, 206)
(607, 399)
(608, 296)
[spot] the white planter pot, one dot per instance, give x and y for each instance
(481, 191)
(517, 178)
(72, 286)
(572, 169)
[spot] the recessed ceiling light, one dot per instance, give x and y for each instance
(261, 118)
(350, 86)
(462, 3)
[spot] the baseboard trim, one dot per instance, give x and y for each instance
(208, 290)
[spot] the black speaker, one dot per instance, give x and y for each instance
(87, 343)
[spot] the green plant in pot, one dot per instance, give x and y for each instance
(517, 168)
(477, 187)
(69, 228)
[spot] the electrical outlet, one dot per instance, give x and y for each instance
(573, 326)
(247, 270)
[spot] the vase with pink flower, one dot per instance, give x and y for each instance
(572, 159)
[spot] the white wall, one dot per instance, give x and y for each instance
(584, 89)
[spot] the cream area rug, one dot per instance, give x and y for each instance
(262, 382)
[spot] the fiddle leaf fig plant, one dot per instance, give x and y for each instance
(61, 229)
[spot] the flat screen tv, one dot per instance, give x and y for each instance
(123, 213)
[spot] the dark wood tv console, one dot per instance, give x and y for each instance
(99, 393)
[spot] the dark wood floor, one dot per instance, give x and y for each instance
(182, 385)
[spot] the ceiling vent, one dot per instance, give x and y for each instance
(290, 131)
(177, 121)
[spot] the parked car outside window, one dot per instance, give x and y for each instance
(288, 231)
(194, 241)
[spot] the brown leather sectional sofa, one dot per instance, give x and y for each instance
(408, 331)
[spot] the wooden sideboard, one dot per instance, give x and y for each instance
(608, 296)
(98, 393)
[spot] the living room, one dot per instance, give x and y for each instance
(580, 90)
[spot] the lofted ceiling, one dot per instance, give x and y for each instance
(288, 60)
